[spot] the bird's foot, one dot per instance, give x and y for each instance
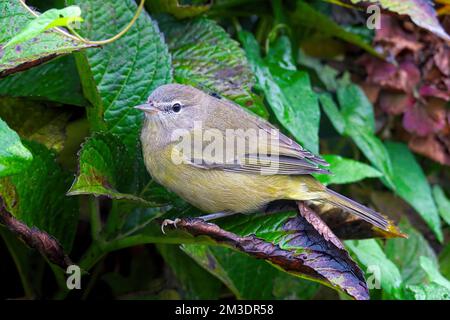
(168, 222)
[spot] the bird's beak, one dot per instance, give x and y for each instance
(146, 107)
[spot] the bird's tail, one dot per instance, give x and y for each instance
(361, 211)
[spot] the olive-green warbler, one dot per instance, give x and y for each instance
(222, 180)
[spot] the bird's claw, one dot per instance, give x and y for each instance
(168, 222)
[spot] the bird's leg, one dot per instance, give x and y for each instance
(208, 217)
(217, 215)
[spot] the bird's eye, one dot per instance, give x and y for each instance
(176, 107)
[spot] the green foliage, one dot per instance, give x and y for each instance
(42, 47)
(47, 20)
(204, 55)
(120, 82)
(65, 90)
(70, 152)
(36, 196)
(346, 171)
(287, 90)
(418, 194)
(14, 156)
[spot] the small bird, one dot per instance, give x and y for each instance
(273, 168)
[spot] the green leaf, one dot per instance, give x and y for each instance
(56, 81)
(355, 119)
(333, 112)
(355, 106)
(370, 254)
(444, 261)
(430, 291)
(41, 48)
(442, 202)
(306, 16)
(411, 184)
(204, 55)
(197, 284)
(406, 254)
(421, 13)
(122, 74)
(36, 121)
(47, 20)
(432, 270)
(14, 156)
(235, 269)
(176, 9)
(105, 168)
(289, 94)
(346, 171)
(36, 196)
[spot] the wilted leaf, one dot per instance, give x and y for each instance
(292, 244)
(47, 20)
(346, 171)
(205, 56)
(56, 80)
(176, 8)
(36, 196)
(14, 157)
(382, 270)
(123, 73)
(420, 11)
(288, 92)
(443, 203)
(36, 121)
(43, 47)
(35, 238)
(411, 184)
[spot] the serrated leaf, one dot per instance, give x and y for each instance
(14, 156)
(346, 171)
(41, 48)
(47, 20)
(177, 9)
(105, 168)
(56, 81)
(443, 203)
(289, 94)
(36, 196)
(36, 121)
(204, 55)
(370, 254)
(421, 12)
(411, 184)
(122, 74)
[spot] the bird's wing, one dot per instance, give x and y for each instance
(275, 153)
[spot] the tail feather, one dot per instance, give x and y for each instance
(361, 211)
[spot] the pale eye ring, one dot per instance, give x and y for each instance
(176, 107)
